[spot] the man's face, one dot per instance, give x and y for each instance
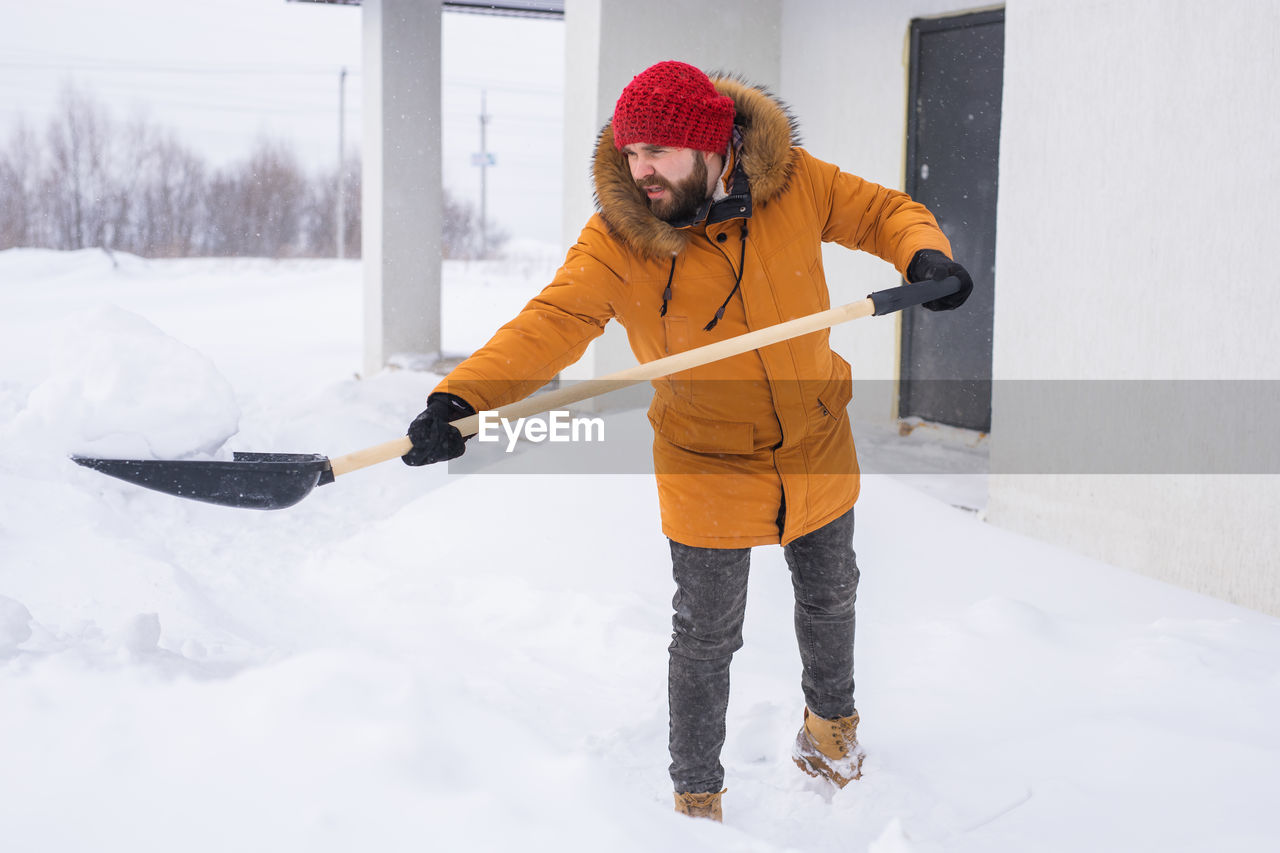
(674, 180)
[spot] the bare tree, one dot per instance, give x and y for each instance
(170, 198)
(322, 211)
(136, 188)
(274, 191)
(222, 227)
(255, 207)
(83, 202)
(460, 233)
(20, 211)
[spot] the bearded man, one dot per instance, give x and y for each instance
(710, 224)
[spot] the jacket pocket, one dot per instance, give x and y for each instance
(701, 435)
(834, 398)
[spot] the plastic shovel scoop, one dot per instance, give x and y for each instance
(249, 481)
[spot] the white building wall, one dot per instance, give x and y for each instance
(1139, 190)
(845, 69)
(1139, 202)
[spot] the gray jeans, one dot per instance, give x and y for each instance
(710, 600)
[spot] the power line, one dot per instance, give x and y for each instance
(133, 67)
(501, 87)
(171, 105)
(507, 119)
(129, 67)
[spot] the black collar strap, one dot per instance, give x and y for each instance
(737, 282)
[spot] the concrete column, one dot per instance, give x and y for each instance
(402, 178)
(607, 42)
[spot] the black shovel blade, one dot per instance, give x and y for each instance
(251, 481)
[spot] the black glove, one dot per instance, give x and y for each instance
(434, 440)
(930, 264)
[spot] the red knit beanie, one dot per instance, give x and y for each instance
(673, 104)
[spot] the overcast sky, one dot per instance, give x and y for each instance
(222, 73)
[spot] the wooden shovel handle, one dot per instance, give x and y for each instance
(696, 357)
(370, 456)
(561, 397)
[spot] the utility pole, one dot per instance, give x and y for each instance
(341, 227)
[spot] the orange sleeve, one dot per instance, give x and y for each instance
(551, 332)
(863, 215)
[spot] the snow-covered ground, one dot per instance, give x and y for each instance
(418, 660)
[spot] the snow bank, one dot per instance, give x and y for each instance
(120, 387)
(15, 624)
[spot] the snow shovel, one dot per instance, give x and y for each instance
(279, 480)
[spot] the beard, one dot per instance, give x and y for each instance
(683, 198)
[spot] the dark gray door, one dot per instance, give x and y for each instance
(953, 165)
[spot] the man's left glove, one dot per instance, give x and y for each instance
(434, 440)
(932, 265)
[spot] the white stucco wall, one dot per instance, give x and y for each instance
(1139, 202)
(1139, 188)
(845, 72)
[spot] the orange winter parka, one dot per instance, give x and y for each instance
(754, 449)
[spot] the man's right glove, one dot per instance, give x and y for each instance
(434, 440)
(932, 265)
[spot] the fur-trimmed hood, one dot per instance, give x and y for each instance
(768, 132)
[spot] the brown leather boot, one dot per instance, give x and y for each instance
(701, 805)
(828, 749)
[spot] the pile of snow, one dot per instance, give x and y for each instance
(120, 387)
(15, 625)
(419, 659)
